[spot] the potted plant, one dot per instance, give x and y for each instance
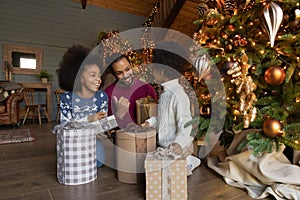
(44, 76)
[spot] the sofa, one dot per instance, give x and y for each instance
(10, 98)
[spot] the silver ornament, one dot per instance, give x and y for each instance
(202, 66)
(272, 18)
(202, 9)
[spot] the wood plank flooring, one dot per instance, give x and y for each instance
(28, 171)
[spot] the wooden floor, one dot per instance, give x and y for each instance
(28, 171)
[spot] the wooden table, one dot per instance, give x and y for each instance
(42, 86)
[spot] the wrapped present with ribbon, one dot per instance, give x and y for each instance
(132, 145)
(76, 153)
(296, 157)
(145, 108)
(166, 175)
(293, 155)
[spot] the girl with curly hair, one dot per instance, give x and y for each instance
(79, 73)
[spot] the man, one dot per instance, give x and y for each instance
(124, 92)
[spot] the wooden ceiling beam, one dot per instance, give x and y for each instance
(83, 4)
(135, 7)
(174, 12)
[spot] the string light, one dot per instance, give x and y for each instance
(147, 43)
(154, 10)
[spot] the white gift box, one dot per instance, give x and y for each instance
(76, 154)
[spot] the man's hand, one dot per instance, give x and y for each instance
(175, 148)
(122, 106)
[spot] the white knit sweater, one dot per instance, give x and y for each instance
(173, 114)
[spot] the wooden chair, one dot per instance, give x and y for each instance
(57, 95)
(28, 94)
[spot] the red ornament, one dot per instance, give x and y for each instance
(231, 28)
(243, 42)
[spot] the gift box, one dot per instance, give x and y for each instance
(132, 145)
(76, 153)
(166, 178)
(292, 154)
(197, 144)
(296, 157)
(145, 108)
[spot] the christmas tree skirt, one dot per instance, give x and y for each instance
(261, 176)
(16, 136)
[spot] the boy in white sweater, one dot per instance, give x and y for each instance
(174, 104)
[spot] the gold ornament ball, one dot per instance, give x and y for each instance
(236, 112)
(272, 128)
(205, 110)
(274, 75)
(228, 47)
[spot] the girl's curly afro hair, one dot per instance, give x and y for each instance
(70, 66)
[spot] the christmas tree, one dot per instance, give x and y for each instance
(255, 45)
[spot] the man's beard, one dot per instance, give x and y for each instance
(126, 82)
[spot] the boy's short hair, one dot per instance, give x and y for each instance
(176, 61)
(113, 58)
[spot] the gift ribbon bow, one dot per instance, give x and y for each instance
(70, 125)
(165, 153)
(162, 153)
